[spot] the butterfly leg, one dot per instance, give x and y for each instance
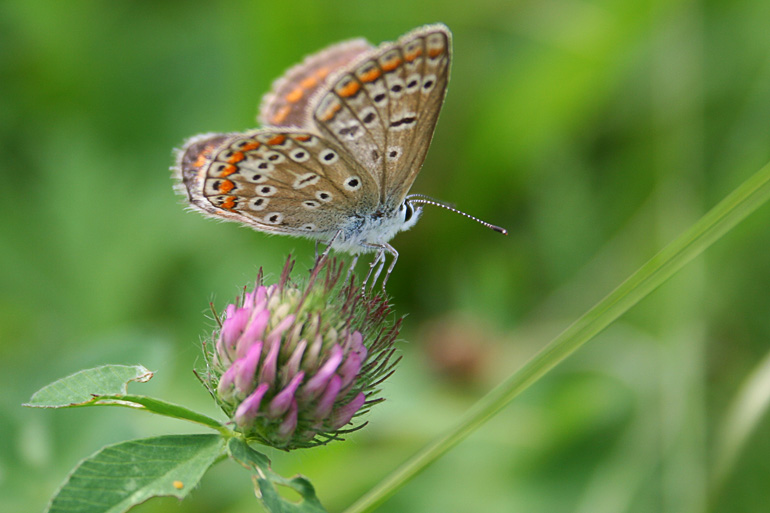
(350, 269)
(379, 261)
(322, 257)
(390, 249)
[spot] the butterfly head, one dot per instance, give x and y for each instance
(408, 214)
(368, 233)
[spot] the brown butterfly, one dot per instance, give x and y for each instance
(346, 133)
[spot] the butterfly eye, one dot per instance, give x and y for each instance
(409, 211)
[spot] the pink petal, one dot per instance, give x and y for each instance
(326, 402)
(317, 383)
(284, 398)
(248, 409)
(344, 414)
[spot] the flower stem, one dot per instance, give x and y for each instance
(744, 200)
(167, 409)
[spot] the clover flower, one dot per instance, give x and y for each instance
(292, 365)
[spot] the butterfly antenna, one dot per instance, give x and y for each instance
(424, 200)
(411, 197)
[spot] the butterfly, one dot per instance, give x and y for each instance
(344, 136)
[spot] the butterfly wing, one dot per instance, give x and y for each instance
(287, 102)
(383, 107)
(274, 180)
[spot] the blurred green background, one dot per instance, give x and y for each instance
(595, 131)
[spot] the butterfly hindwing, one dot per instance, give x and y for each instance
(287, 103)
(275, 180)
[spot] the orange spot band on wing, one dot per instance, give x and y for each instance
(237, 157)
(295, 95)
(251, 146)
(412, 56)
(350, 89)
(322, 73)
(229, 203)
(281, 115)
(391, 64)
(309, 82)
(302, 138)
(227, 171)
(201, 160)
(435, 52)
(371, 75)
(226, 186)
(278, 139)
(329, 113)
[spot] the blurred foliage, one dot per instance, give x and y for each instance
(595, 131)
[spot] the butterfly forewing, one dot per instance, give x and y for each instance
(427, 74)
(276, 180)
(383, 109)
(287, 103)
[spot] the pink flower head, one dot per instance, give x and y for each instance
(293, 365)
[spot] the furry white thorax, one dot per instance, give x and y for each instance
(368, 234)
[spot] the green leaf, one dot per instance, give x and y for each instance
(267, 479)
(81, 387)
(106, 386)
(123, 475)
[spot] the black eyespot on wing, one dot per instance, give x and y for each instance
(408, 120)
(351, 130)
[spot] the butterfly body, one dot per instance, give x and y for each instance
(346, 133)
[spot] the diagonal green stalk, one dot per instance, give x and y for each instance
(711, 227)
